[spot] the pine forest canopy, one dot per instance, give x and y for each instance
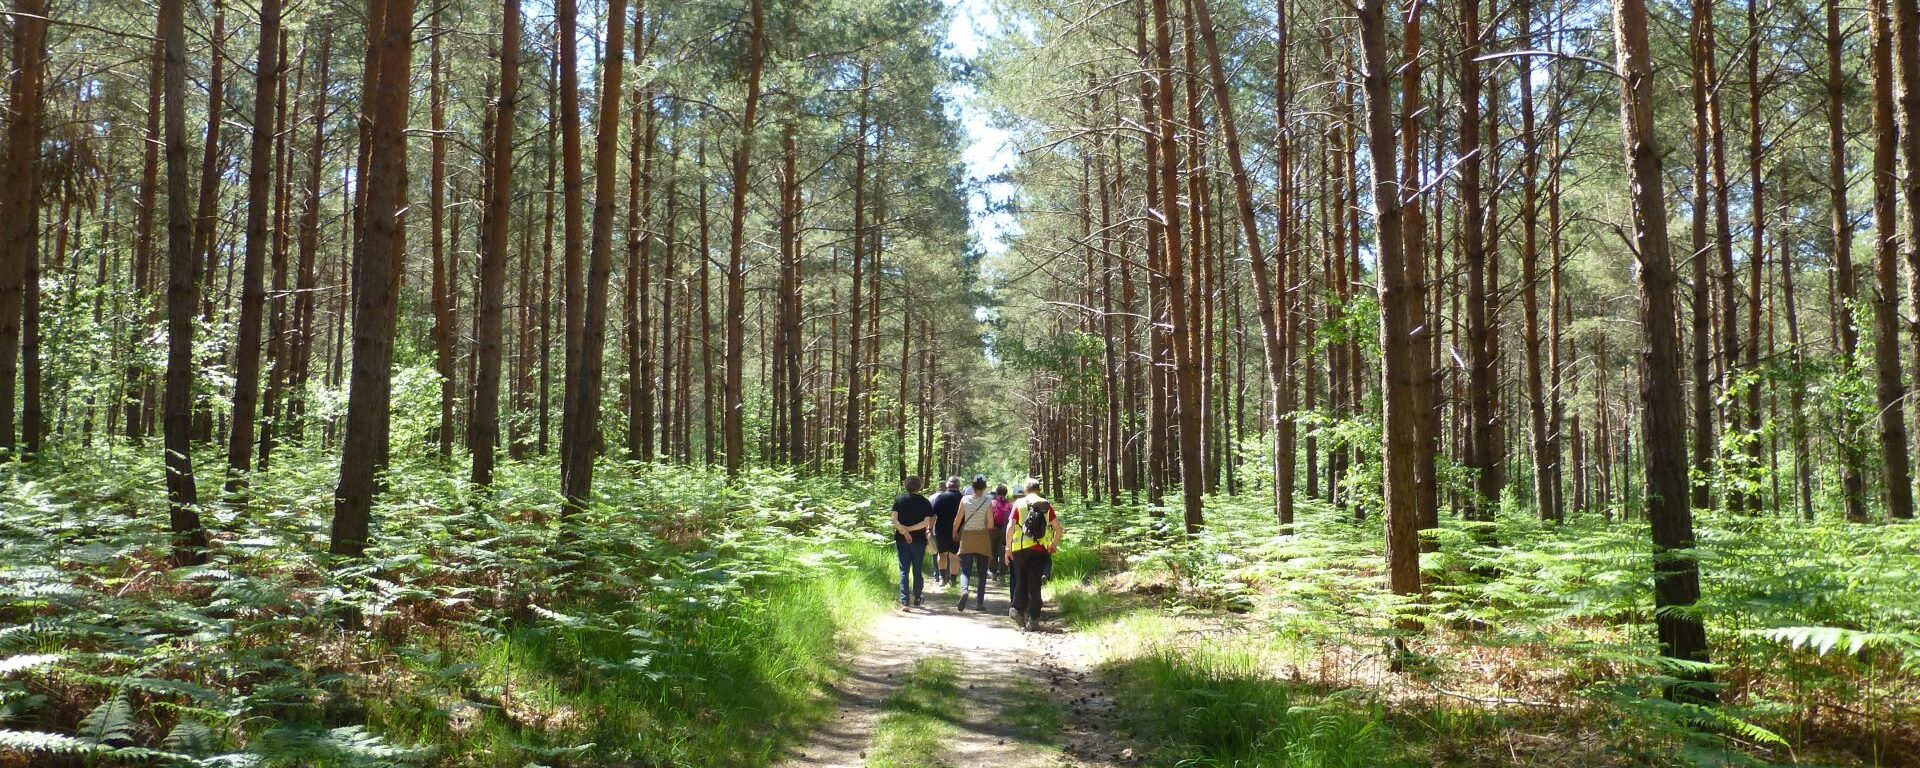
(1430, 264)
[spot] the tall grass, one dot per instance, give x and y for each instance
(1219, 707)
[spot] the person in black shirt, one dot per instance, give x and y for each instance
(912, 515)
(946, 509)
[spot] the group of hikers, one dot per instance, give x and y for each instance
(977, 535)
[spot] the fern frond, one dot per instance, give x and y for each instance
(12, 664)
(110, 724)
(41, 742)
(189, 736)
(1823, 640)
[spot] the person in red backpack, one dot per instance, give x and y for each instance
(1002, 512)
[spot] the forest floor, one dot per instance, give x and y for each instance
(1017, 699)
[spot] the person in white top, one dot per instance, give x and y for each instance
(973, 528)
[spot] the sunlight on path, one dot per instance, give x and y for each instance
(1018, 689)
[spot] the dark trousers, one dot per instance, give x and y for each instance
(974, 568)
(913, 557)
(1029, 574)
(998, 563)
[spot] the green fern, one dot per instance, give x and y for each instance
(189, 736)
(40, 742)
(1824, 640)
(111, 723)
(13, 664)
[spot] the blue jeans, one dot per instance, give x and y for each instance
(913, 556)
(974, 567)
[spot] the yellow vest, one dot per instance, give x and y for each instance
(1017, 529)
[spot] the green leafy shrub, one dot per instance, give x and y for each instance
(680, 619)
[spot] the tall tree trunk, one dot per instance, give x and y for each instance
(672, 369)
(1421, 353)
(639, 286)
(1906, 100)
(582, 425)
(19, 195)
(1889, 390)
(567, 13)
(445, 331)
(546, 263)
(1155, 439)
(253, 297)
(706, 314)
(732, 397)
(1556, 293)
(1757, 250)
(1852, 484)
(1482, 423)
(1702, 317)
(527, 341)
(206, 244)
(1400, 305)
(139, 387)
(900, 397)
(1730, 341)
(1546, 460)
(377, 273)
(1186, 359)
(1111, 347)
(306, 282)
(1676, 573)
(796, 447)
(278, 334)
(1263, 280)
(850, 430)
(183, 285)
(1287, 315)
(1802, 470)
(483, 430)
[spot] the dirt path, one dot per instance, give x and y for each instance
(998, 678)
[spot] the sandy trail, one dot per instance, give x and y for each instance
(1000, 669)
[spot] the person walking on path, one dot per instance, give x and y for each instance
(974, 531)
(1002, 512)
(946, 509)
(1033, 535)
(912, 517)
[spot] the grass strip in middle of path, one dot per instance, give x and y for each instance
(919, 720)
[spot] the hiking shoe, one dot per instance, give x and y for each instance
(963, 604)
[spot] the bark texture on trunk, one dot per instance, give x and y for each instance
(732, 395)
(183, 296)
(377, 271)
(253, 295)
(1399, 308)
(19, 196)
(483, 430)
(582, 425)
(1889, 388)
(1676, 583)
